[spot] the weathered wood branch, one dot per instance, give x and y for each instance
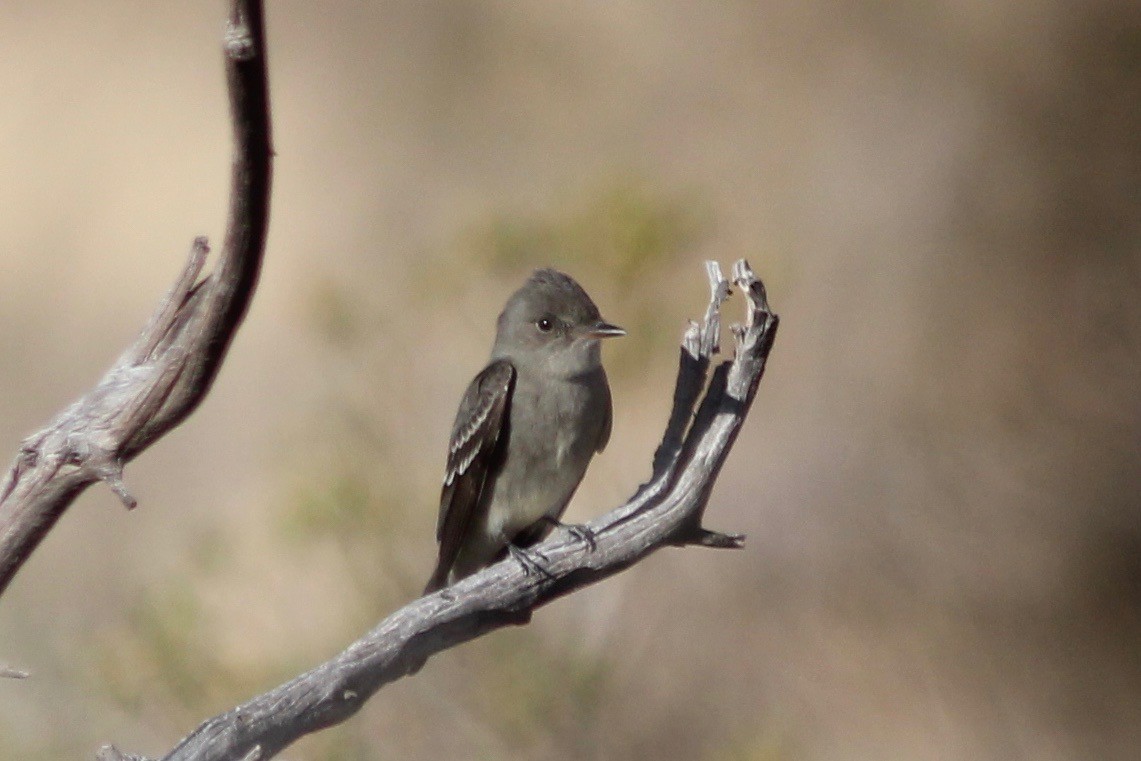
(10, 673)
(162, 378)
(666, 511)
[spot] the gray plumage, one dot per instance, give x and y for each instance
(527, 427)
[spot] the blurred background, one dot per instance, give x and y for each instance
(940, 477)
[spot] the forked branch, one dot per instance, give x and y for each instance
(667, 510)
(163, 377)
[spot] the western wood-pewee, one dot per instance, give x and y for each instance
(526, 429)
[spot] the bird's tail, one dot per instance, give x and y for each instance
(438, 581)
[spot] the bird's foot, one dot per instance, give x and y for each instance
(583, 534)
(579, 531)
(529, 561)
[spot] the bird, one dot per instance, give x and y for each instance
(527, 427)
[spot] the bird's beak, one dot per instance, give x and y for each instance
(602, 329)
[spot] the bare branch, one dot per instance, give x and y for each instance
(7, 672)
(111, 753)
(698, 344)
(162, 378)
(665, 511)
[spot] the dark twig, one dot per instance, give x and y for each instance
(162, 378)
(667, 511)
(697, 346)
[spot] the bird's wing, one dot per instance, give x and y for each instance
(607, 421)
(476, 434)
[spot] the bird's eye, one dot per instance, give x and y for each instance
(545, 324)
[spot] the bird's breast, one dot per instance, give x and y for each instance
(555, 418)
(554, 430)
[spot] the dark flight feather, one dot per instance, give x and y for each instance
(476, 437)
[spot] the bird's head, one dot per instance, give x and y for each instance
(551, 323)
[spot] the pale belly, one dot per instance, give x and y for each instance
(545, 461)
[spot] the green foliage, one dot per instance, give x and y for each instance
(335, 314)
(163, 663)
(763, 746)
(530, 689)
(343, 505)
(618, 235)
(359, 512)
(624, 241)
